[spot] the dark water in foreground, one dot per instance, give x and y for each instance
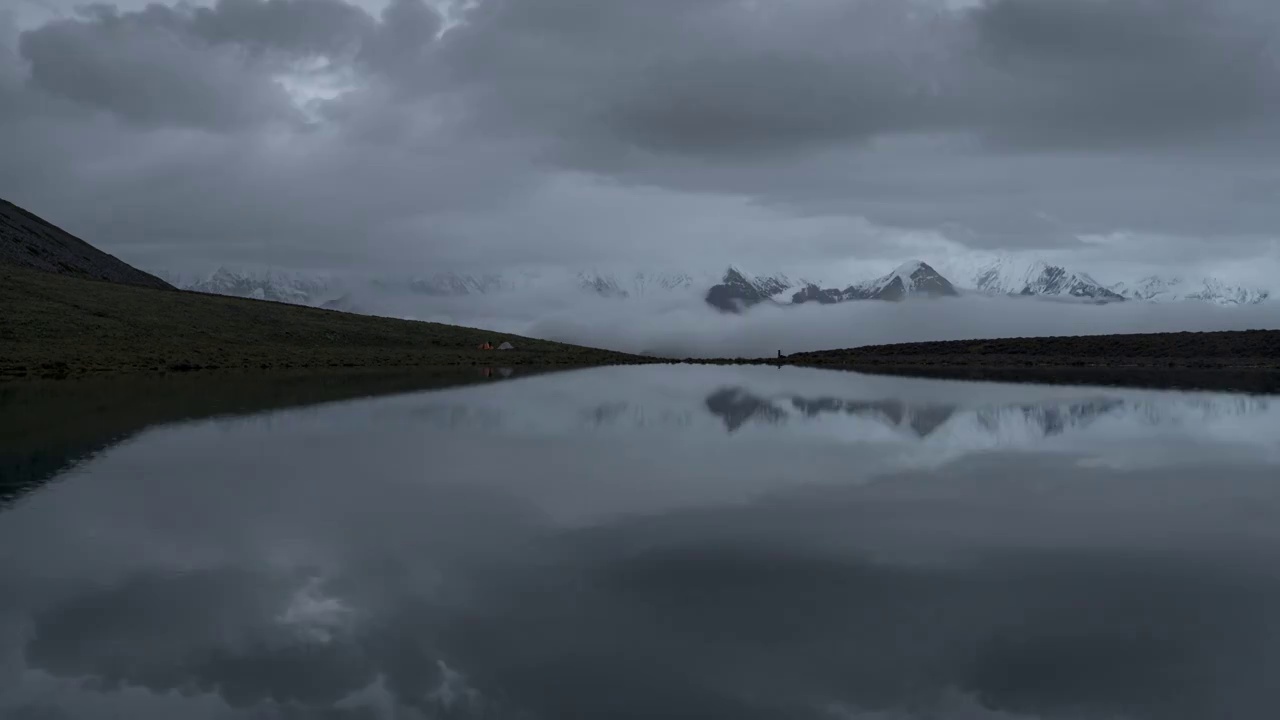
(709, 542)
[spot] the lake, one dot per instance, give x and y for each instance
(640, 542)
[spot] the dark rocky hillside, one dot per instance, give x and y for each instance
(28, 241)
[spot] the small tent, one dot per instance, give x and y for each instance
(506, 346)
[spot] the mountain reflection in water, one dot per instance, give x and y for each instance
(711, 542)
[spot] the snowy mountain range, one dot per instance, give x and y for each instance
(280, 286)
(1158, 289)
(638, 283)
(734, 291)
(449, 284)
(635, 284)
(1006, 276)
(911, 279)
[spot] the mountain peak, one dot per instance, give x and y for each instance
(222, 273)
(739, 289)
(914, 278)
(1006, 275)
(910, 267)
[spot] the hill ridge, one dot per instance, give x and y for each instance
(31, 242)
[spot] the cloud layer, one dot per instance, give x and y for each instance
(328, 133)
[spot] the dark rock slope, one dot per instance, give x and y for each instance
(28, 241)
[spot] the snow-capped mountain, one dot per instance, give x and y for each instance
(635, 284)
(739, 290)
(733, 291)
(638, 283)
(911, 279)
(279, 286)
(1159, 289)
(1010, 276)
(452, 284)
(326, 291)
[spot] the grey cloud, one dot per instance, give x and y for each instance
(1014, 124)
(12, 73)
(714, 77)
(723, 77)
(1097, 74)
(1019, 122)
(401, 36)
(303, 27)
(139, 68)
(212, 67)
(406, 34)
(352, 190)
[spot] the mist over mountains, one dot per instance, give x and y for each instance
(694, 312)
(736, 289)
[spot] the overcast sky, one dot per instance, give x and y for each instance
(335, 133)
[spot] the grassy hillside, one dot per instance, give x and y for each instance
(1246, 361)
(55, 325)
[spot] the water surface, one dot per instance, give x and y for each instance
(710, 542)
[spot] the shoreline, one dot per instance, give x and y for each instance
(1223, 378)
(57, 327)
(54, 326)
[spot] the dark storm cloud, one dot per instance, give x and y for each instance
(404, 40)
(304, 27)
(714, 77)
(1097, 73)
(1018, 123)
(212, 67)
(724, 77)
(371, 131)
(145, 68)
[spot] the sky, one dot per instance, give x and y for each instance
(1120, 134)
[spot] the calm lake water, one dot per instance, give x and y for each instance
(653, 542)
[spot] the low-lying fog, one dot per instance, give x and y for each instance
(680, 324)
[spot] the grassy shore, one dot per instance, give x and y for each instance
(1238, 350)
(57, 326)
(1238, 361)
